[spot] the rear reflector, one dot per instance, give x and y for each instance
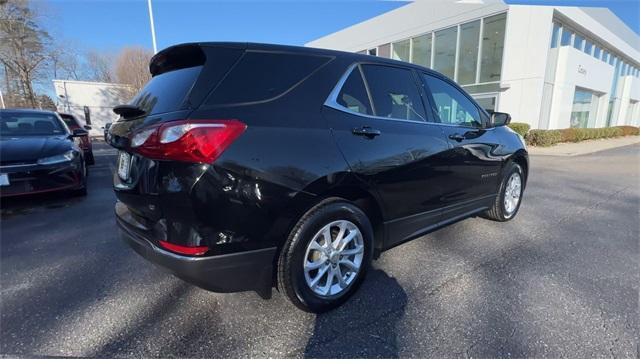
(201, 141)
(192, 251)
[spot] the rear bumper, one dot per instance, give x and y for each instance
(235, 272)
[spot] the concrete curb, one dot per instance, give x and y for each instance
(584, 147)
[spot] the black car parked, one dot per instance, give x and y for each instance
(38, 153)
(244, 166)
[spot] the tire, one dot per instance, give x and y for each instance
(293, 277)
(90, 159)
(82, 191)
(501, 211)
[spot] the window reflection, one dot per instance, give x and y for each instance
(468, 61)
(445, 51)
(401, 50)
(492, 48)
(421, 53)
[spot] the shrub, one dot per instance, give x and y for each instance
(629, 130)
(569, 135)
(544, 137)
(520, 128)
(551, 137)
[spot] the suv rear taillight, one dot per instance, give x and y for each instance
(201, 141)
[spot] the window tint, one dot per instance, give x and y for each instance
(450, 105)
(394, 92)
(353, 94)
(261, 76)
(167, 91)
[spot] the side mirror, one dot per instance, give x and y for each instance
(79, 132)
(87, 127)
(500, 119)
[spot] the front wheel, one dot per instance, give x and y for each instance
(509, 197)
(326, 256)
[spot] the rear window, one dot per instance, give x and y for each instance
(70, 121)
(261, 76)
(167, 91)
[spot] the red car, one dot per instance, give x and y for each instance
(85, 141)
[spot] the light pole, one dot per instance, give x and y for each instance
(153, 28)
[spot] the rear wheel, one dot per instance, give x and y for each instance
(326, 256)
(509, 197)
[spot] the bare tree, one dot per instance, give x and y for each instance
(22, 50)
(64, 62)
(100, 66)
(132, 67)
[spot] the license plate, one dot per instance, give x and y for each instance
(124, 165)
(4, 179)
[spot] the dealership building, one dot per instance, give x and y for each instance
(549, 66)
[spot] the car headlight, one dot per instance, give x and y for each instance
(65, 157)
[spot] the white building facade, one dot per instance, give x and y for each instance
(99, 97)
(548, 66)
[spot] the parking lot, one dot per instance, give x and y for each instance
(561, 280)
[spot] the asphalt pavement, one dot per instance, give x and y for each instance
(560, 280)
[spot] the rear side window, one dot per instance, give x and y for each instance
(261, 76)
(353, 94)
(394, 92)
(167, 91)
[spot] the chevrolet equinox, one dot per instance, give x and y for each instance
(251, 166)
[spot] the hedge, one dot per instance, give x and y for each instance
(551, 137)
(520, 128)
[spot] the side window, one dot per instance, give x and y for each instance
(353, 94)
(262, 76)
(450, 105)
(394, 93)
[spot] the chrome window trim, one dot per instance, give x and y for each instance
(332, 101)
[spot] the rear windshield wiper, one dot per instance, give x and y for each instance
(129, 111)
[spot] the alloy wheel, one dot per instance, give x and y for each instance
(512, 193)
(333, 258)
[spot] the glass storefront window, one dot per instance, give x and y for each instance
(555, 34)
(578, 42)
(468, 57)
(566, 37)
(588, 45)
(487, 103)
(584, 109)
(597, 52)
(400, 50)
(421, 53)
(492, 48)
(445, 51)
(384, 50)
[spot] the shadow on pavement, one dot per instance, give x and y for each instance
(339, 334)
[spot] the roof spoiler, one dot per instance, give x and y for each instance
(177, 57)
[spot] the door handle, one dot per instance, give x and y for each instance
(366, 131)
(457, 137)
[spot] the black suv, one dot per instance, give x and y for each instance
(248, 166)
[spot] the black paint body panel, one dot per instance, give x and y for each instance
(297, 151)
